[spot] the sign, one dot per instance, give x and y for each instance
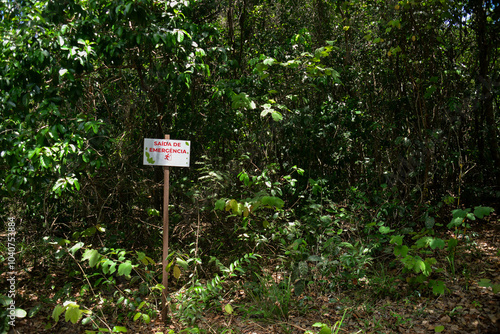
(166, 152)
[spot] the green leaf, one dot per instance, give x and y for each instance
(480, 211)
(108, 266)
(182, 263)
(73, 313)
(119, 329)
(401, 251)
(269, 61)
(146, 318)
(125, 268)
(437, 287)
(437, 243)
(228, 308)
(76, 247)
(325, 330)
(484, 282)
(141, 305)
(459, 213)
(272, 201)
(397, 239)
(452, 243)
(92, 255)
(423, 242)
(20, 313)
(419, 266)
(385, 229)
(176, 272)
(4, 300)
(455, 222)
(438, 329)
(277, 116)
(58, 310)
(220, 204)
(180, 36)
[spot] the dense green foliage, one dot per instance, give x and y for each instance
(323, 132)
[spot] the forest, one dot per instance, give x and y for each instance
(343, 175)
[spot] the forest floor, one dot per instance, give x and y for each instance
(465, 308)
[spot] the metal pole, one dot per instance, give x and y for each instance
(166, 186)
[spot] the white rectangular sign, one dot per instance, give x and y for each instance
(166, 152)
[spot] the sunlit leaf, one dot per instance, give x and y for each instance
(228, 308)
(125, 268)
(176, 272)
(438, 329)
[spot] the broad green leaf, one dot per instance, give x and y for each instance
(419, 266)
(325, 330)
(484, 282)
(58, 310)
(452, 243)
(76, 247)
(459, 213)
(20, 313)
(318, 324)
(397, 239)
(182, 263)
(231, 204)
(455, 222)
(277, 116)
(176, 272)
(108, 266)
(438, 329)
(385, 229)
(269, 61)
(89, 232)
(119, 329)
(480, 211)
(423, 242)
(137, 316)
(180, 36)
(92, 255)
(4, 300)
(272, 201)
(125, 268)
(228, 308)
(220, 204)
(437, 287)
(141, 305)
(401, 251)
(437, 243)
(73, 313)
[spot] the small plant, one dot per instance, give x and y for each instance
(269, 299)
(328, 329)
(414, 257)
(189, 303)
(101, 269)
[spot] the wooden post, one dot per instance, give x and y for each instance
(164, 281)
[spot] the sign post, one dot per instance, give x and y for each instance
(166, 153)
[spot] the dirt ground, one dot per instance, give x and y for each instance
(466, 307)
